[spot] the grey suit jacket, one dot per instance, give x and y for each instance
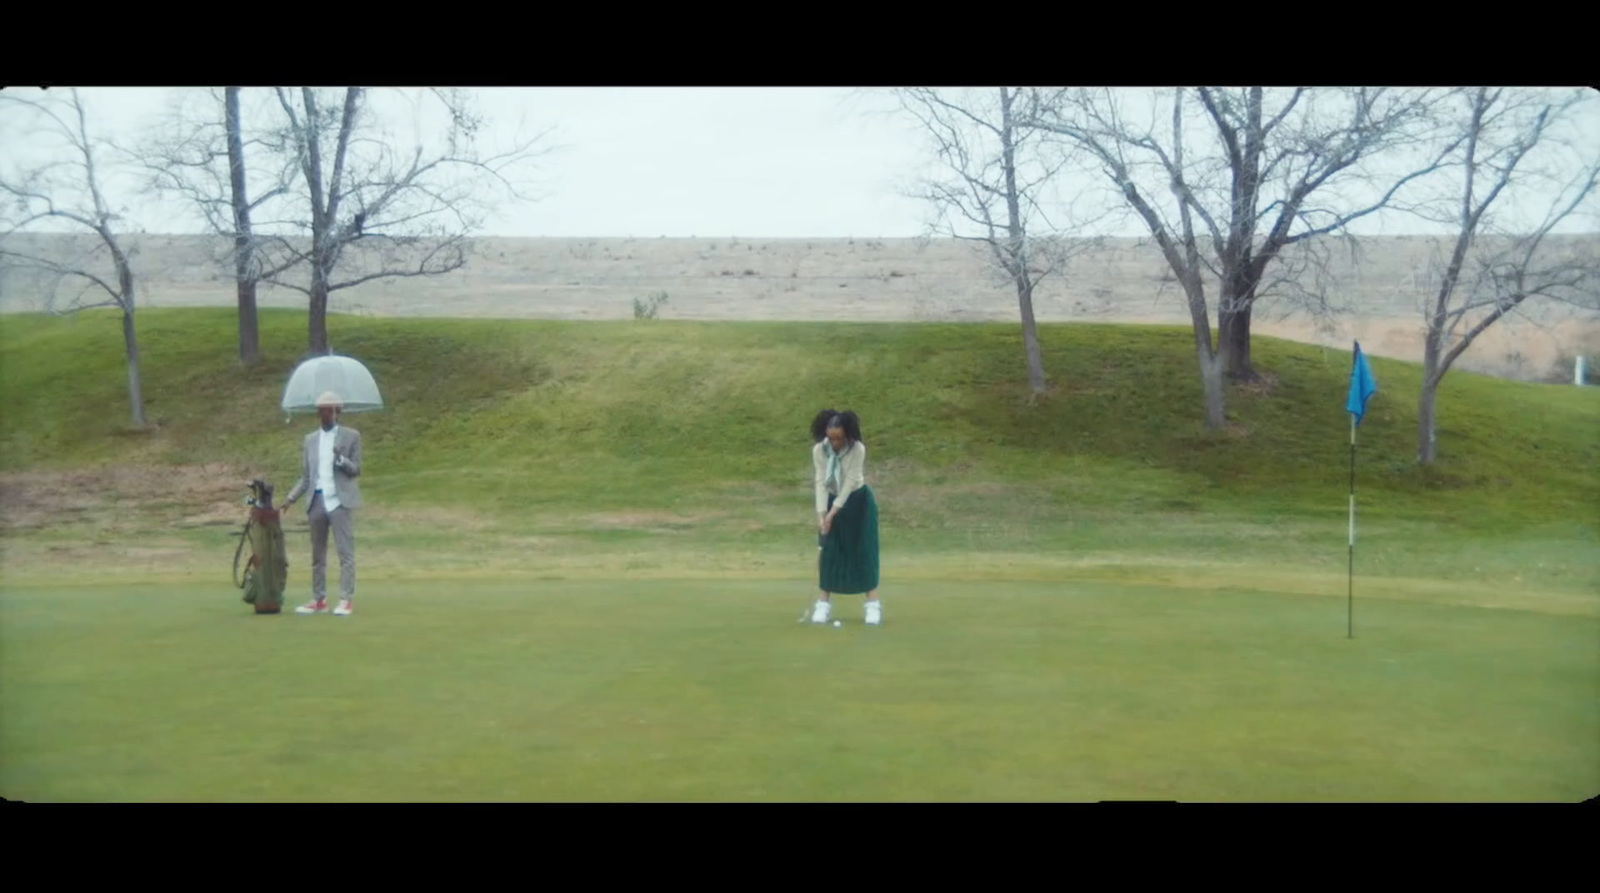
(347, 444)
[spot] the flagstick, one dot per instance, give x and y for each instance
(1352, 581)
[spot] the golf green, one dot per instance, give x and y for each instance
(652, 691)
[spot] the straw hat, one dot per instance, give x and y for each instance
(329, 398)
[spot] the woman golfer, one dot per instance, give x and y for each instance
(847, 514)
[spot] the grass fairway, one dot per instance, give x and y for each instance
(660, 690)
(1089, 597)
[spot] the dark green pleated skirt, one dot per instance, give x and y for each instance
(850, 550)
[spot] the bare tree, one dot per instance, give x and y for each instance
(1251, 168)
(199, 156)
(991, 192)
(1510, 143)
(71, 187)
(379, 211)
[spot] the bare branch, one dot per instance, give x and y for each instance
(62, 270)
(39, 194)
(1505, 141)
(993, 188)
(372, 205)
(451, 249)
(186, 156)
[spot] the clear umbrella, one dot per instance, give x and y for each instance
(342, 375)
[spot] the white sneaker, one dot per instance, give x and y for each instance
(312, 607)
(345, 608)
(819, 614)
(874, 613)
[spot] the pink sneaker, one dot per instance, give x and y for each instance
(313, 607)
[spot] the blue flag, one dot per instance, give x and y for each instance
(1362, 386)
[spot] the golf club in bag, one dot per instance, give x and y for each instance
(265, 575)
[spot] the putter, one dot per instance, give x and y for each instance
(807, 612)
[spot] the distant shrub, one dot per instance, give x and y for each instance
(646, 307)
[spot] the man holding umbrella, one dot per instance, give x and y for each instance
(330, 464)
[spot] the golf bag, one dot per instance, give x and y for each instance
(265, 575)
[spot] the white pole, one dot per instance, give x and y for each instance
(1577, 372)
(1352, 482)
(1352, 582)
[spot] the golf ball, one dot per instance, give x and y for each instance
(837, 624)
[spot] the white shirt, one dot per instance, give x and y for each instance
(325, 483)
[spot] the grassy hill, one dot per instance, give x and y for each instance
(681, 447)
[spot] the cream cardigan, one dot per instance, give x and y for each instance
(852, 468)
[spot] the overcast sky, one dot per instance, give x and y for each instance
(677, 162)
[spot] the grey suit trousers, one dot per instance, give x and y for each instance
(342, 523)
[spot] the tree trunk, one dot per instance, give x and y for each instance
(1234, 335)
(1428, 406)
(249, 327)
(319, 311)
(130, 340)
(1209, 357)
(1211, 378)
(130, 337)
(1427, 422)
(1239, 294)
(249, 323)
(1030, 338)
(1017, 246)
(323, 208)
